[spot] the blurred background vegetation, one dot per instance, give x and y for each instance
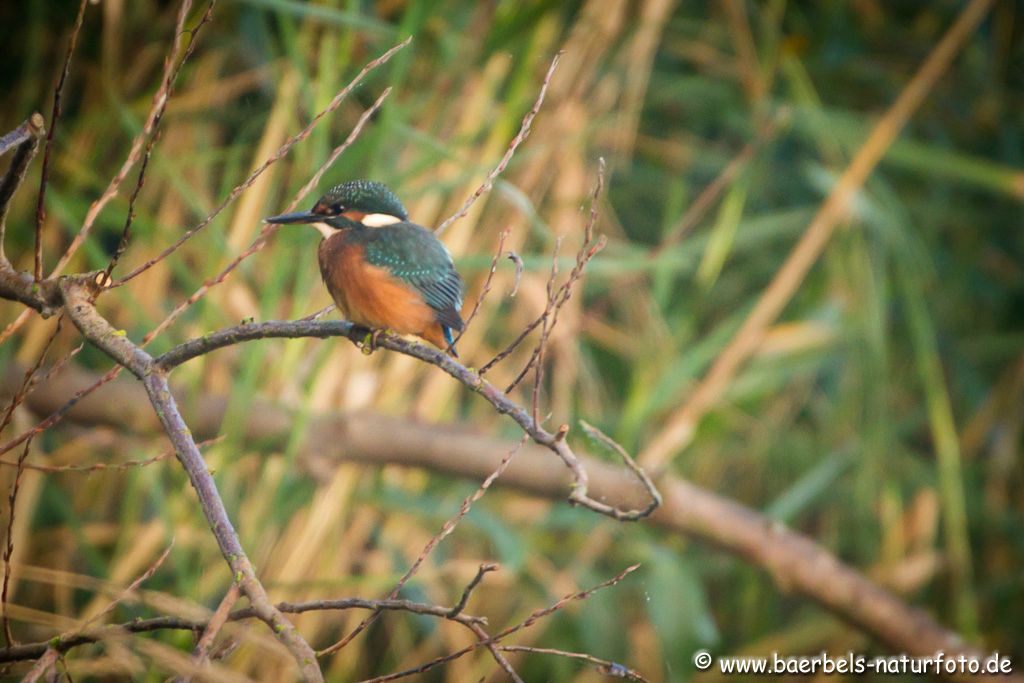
(882, 416)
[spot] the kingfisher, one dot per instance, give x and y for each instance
(383, 271)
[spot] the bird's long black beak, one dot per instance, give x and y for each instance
(298, 217)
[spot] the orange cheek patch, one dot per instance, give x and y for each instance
(356, 216)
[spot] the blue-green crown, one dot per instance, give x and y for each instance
(366, 196)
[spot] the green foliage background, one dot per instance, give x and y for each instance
(882, 417)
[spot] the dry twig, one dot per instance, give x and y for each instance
(524, 132)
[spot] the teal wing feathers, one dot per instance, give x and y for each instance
(412, 254)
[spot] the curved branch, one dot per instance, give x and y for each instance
(78, 294)
(291, 329)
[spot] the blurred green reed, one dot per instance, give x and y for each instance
(882, 417)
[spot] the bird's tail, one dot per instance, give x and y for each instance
(450, 340)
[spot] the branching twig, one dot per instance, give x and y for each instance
(486, 287)
(588, 249)
(524, 132)
(447, 528)
(44, 175)
(526, 623)
(78, 296)
(160, 100)
(470, 378)
(461, 604)
(201, 654)
(135, 150)
(31, 651)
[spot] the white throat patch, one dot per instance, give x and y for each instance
(324, 229)
(379, 220)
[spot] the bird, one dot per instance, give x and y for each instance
(383, 271)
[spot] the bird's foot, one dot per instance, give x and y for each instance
(370, 341)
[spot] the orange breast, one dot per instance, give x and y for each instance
(370, 295)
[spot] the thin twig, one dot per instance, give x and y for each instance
(12, 500)
(26, 137)
(134, 152)
(587, 251)
(496, 653)
(480, 572)
(604, 666)
(27, 380)
(274, 158)
(524, 132)
(58, 415)
(486, 287)
(106, 466)
(201, 654)
(132, 587)
(31, 651)
(526, 623)
(602, 438)
(162, 97)
(44, 176)
(447, 528)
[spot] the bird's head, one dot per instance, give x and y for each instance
(355, 204)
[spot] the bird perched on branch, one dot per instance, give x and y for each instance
(383, 271)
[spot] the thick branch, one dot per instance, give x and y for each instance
(795, 562)
(78, 294)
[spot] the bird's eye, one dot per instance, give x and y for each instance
(337, 209)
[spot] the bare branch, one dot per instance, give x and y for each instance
(649, 486)
(160, 100)
(446, 529)
(470, 378)
(480, 572)
(604, 666)
(78, 295)
(25, 138)
(31, 651)
(524, 132)
(526, 623)
(156, 110)
(44, 175)
(201, 654)
(104, 466)
(486, 287)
